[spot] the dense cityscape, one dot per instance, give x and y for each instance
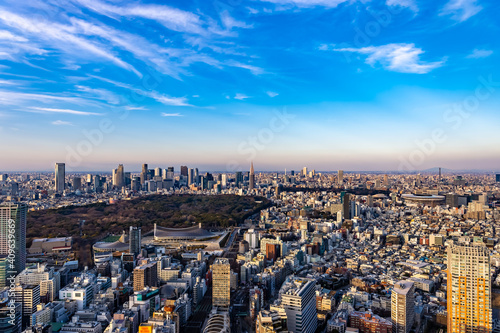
(332, 252)
(249, 166)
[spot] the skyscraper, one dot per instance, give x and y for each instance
(251, 180)
(469, 289)
(17, 213)
(190, 176)
(29, 297)
(77, 183)
(120, 177)
(402, 306)
(60, 177)
(298, 298)
(221, 277)
(340, 179)
(238, 178)
(346, 205)
(135, 240)
(184, 170)
(144, 173)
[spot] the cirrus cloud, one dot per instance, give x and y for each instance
(397, 57)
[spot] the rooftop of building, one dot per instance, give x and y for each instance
(403, 287)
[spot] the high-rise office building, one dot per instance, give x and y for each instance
(221, 277)
(49, 281)
(251, 179)
(119, 177)
(145, 276)
(190, 176)
(346, 205)
(298, 298)
(158, 172)
(60, 177)
(170, 173)
(29, 297)
(340, 178)
(497, 177)
(144, 173)
(77, 183)
(403, 306)
(184, 170)
(304, 171)
(13, 219)
(238, 178)
(469, 289)
(134, 239)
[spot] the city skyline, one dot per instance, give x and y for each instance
(338, 84)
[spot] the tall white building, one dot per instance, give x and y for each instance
(60, 177)
(469, 288)
(82, 290)
(298, 299)
(252, 238)
(403, 306)
(340, 179)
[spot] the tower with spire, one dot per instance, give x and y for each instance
(251, 181)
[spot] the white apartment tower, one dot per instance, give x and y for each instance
(403, 306)
(298, 298)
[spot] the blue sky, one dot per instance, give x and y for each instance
(328, 84)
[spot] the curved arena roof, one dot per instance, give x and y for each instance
(182, 233)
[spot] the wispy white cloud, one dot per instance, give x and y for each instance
(131, 108)
(308, 3)
(20, 98)
(66, 111)
(62, 37)
(272, 94)
(8, 83)
(163, 114)
(164, 99)
(478, 53)
(403, 58)
(253, 69)
(252, 10)
(240, 96)
(172, 18)
(410, 4)
(461, 10)
(62, 123)
(101, 94)
(229, 22)
(7, 35)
